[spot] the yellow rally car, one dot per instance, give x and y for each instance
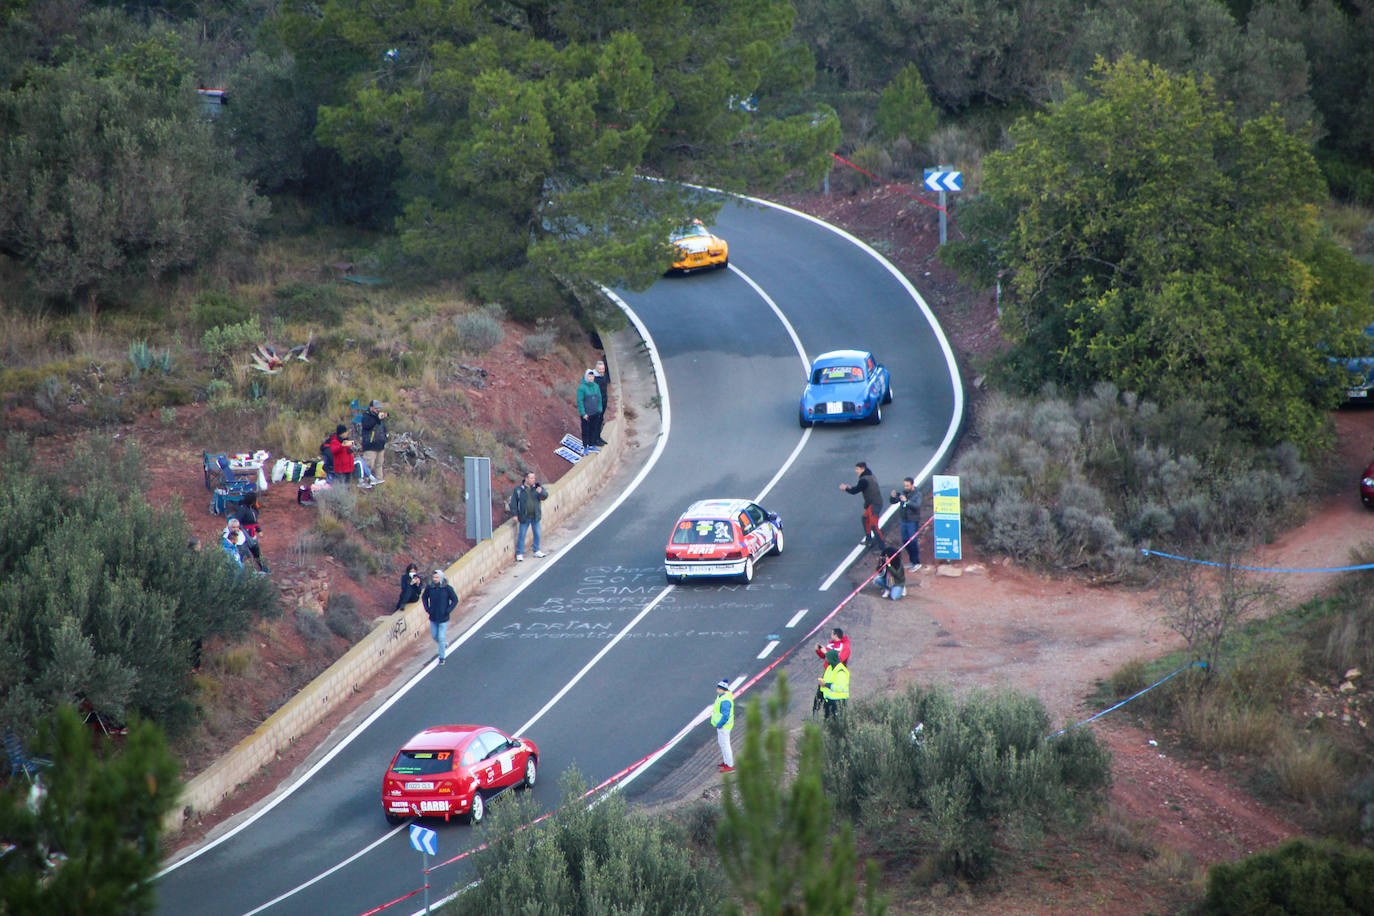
(697, 249)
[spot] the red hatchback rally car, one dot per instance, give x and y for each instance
(451, 770)
(721, 537)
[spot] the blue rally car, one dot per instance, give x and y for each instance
(845, 385)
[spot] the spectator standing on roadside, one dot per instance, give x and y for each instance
(589, 408)
(909, 498)
(839, 643)
(439, 600)
(867, 485)
(412, 587)
(525, 505)
(834, 684)
(247, 516)
(603, 381)
(373, 425)
(341, 452)
(723, 721)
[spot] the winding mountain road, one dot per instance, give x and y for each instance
(594, 655)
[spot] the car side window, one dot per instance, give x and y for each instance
(756, 514)
(869, 366)
(745, 524)
(473, 752)
(496, 744)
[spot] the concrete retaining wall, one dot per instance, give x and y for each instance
(395, 633)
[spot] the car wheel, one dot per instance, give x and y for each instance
(394, 819)
(876, 416)
(887, 394)
(777, 543)
(477, 810)
(803, 422)
(748, 574)
(531, 772)
(724, 264)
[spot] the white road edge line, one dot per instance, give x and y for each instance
(934, 462)
(806, 365)
(667, 589)
(796, 618)
(768, 649)
(666, 411)
(956, 383)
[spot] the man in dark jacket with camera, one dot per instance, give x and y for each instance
(374, 439)
(525, 506)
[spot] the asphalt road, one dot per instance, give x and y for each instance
(641, 657)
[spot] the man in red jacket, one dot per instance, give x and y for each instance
(840, 644)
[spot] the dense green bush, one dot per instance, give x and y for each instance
(585, 859)
(944, 781)
(100, 599)
(1301, 876)
(1085, 483)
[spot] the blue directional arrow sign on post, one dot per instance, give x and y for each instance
(423, 839)
(939, 180)
(943, 179)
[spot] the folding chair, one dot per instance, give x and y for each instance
(21, 761)
(226, 488)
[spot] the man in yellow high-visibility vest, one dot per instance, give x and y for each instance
(723, 720)
(834, 684)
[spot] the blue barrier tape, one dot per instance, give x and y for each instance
(1127, 700)
(1319, 569)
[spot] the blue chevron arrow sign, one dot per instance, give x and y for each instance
(422, 838)
(937, 180)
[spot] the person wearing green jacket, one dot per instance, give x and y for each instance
(589, 408)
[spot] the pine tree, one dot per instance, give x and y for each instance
(777, 840)
(85, 834)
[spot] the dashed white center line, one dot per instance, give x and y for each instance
(796, 618)
(768, 649)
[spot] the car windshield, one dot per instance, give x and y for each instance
(831, 375)
(703, 531)
(689, 232)
(422, 763)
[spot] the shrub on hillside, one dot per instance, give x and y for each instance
(481, 330)
(945, 781)
(100, 599)
(308, 302)
(1301, 876)
(232, 339)
(212, 309)
(601, 858)
(1085, 483)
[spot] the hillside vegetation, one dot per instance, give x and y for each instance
(1174, 200)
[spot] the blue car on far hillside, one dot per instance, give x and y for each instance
(845, 385)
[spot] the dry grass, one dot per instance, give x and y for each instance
(24, 338)
(1218, 723)
(1306, 767)
(1120, 832)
